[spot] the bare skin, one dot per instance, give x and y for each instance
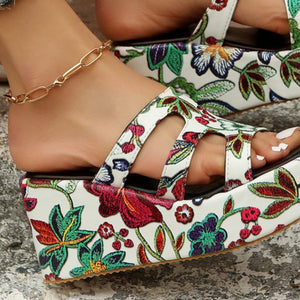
(76, 125)
(124, 20)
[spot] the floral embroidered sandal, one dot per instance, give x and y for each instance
(93, 223)
(223, 79)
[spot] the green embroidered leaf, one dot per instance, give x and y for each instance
(114, 260)
(180, 83)
(218, 108)
(252, 80)
(57, 222)
(160, 239)
(284, 188)
(73, 238)
(294, 7)
(54, 258)
(77, 272)
(177, 105)
(285, 74)
(228, 205)
(180, 241)
(97, 251)
(175, 60)
(180, 151)
(84, 255)
(267, 72)
(285, 179)
(258, 91)
(276, 208)
(72, 219)
(215, 89)
(71, 186)
(244, 86)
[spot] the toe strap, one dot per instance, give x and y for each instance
(198, 122)
(238, 169)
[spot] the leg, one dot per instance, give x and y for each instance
(69, 129)
(123, 20)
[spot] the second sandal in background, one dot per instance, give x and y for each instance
(223, 79)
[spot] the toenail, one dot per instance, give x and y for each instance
(283, 146)
(276, 148)
(259, 157)
(286, 133)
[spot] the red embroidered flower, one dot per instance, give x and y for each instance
(279, 227)
(218, 4)
(128, 243)
(256, 229)
(117, 53)
(179, 189)
(202, 120)
(124, 232)
(244, 233)
(116, 245)
(184, 214)
(238, 243)
(52, 277)
(250, 214)
(211, 40)
(248, 175)
(137, 208)
(127, 148)
(232, 184)
(137, 130)
(106, 230)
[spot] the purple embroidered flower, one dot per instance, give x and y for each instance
(216, 58)
(206, 237)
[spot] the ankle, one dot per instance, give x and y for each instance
(56, 45)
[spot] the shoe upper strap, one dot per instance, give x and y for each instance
(198, 122)
(293, 12)
(214, 24)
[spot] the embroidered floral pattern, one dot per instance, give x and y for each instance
(216, 58)
(184, 214)
(206, 237)
(252, 77)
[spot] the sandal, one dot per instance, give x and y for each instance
(223, 79)
(92, 223)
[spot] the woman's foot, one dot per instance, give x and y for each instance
(76, 125)
(124, 20)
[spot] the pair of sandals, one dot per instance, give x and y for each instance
(104, 221)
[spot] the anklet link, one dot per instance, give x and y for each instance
(42, 91)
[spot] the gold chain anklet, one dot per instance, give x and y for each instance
(42, 91)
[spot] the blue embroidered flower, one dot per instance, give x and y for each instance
(216, 58)
(275, 97)
(265, 56)
(206, 237)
